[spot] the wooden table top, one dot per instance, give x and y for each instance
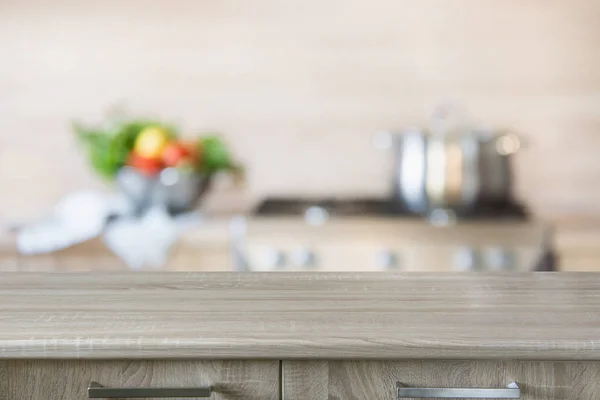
(300, 315)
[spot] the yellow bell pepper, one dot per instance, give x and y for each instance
(150, 142)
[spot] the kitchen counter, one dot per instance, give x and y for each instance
(344, 244)
(203, 247)
(533, 316)
(208, 247)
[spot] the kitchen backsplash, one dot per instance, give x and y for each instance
(299, 87)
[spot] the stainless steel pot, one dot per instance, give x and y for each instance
(450, 167)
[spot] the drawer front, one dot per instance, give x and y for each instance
(377, 380)
(69, 379)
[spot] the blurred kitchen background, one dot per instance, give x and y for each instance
(298, 90)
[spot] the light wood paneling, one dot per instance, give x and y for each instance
(377, 380)
(299, 87)
(300, 315)
(69, 379)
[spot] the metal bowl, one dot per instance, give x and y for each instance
(174, 189)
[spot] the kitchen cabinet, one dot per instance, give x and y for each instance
(301, 380)
(69, 379)
(305, 336)
(377, 380)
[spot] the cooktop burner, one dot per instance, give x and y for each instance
(377, 207)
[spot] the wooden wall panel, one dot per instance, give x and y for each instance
(299, 87)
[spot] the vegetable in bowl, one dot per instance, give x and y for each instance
(150, 162)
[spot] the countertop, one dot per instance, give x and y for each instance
(575, 242)
(553, 316)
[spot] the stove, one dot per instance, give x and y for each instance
(376, 207)
(369, 234)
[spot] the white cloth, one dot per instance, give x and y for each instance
(77, 218)
(145, 242)
(139, 241)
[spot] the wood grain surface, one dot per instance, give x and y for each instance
(300, 315)
(341, 380)
(69, 379)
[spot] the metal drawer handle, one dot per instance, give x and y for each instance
(512, 391)
(97, 391)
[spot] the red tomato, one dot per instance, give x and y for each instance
(173, 153)
(145, 165)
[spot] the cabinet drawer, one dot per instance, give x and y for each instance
(377, 380)
(69, 379)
